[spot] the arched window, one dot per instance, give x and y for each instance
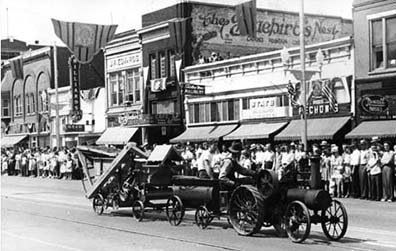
(43, 84)
(29, 90)
(17, 95)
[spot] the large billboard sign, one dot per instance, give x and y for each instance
(216, 26)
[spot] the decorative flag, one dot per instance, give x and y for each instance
(158, 84)
(17, 68)
(328, 93)
(84, 40)
(178, 64)
(292, 94)
(246, 18)
(178, 33)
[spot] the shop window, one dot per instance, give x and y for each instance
(153, 67)
(133, 86)
(5, 106)
(172, 66)
(162, 65)
(383, 42)
(164, 107)
(245, 103)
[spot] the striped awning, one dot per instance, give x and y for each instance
(255, 131)
(204, 133)
(117, 135)
(317, 129)
(10, 141)
(368, 129)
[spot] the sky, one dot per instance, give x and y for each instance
(30, 20)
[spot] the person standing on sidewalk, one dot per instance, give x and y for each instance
(355, 163)
(387, 164)
(374, 167)
(363, 174)
(205, 162)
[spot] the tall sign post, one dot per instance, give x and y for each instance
(303, 83)
(57, 124)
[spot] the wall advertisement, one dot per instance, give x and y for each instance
(214, 26)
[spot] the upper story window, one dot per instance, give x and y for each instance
(113, 90)
(121, 90)
(42, 101)
(383, 42)
(172, 66)
(28, 104)
(153, 67)
(133, 85)
(162, 65)
(216, 111)
(18, 106)
(5, 105)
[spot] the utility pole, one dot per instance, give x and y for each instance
(56, 97)
(303, 84)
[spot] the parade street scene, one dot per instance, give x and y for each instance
(169, 125)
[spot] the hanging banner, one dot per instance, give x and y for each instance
(74, 68)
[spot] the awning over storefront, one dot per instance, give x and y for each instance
(203, 133)
(10, 141)
(116, 135)
(323, 128)
(255, 131)
(368, 129)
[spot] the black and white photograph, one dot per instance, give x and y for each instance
(198, 125)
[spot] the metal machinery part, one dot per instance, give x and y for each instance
(174, 210)
(138, 210)
(246, 210)
(98, 204)
(298, 221)
(334, 221)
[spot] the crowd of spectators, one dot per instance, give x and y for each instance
(40, 162)
(362, 169)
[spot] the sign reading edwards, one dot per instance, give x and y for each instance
(217, 25)
(123, 61)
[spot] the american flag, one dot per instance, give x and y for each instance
(327, 92)
(84, 40)
(292, 93)
(17, 68)
(177, 32)
(246, 18)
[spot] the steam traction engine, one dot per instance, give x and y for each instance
(266, 202)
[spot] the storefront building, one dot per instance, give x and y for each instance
(375, 68)
(248, 98)
(25, 107)
(28, 95)
(124, 89)
(204, 30)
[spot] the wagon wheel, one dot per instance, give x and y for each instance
(246, 210)
(202, 217)
(267, 183)
(298, 221)
(174, 210)
(138, 210)
(335, 221)
(98, 204)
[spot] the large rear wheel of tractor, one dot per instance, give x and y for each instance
(246, 210)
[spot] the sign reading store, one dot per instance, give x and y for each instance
(123, 61)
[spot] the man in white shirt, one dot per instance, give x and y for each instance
(259, 156)
(363, 175)
(188, 157)
(205, 162)
(355, 163)
(268, 157)
(388, 172)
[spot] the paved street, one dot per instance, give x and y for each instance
(43, 214)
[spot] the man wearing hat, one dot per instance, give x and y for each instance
(231, 166)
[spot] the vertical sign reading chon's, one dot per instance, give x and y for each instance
(74, 67)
